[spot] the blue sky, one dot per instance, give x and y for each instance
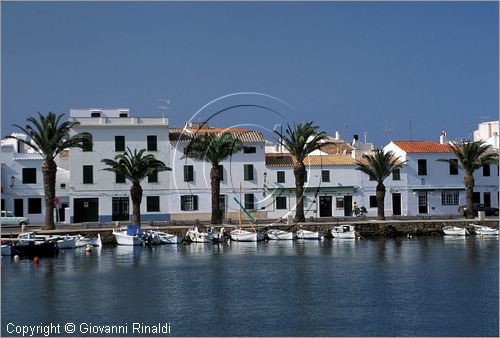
(353, 67)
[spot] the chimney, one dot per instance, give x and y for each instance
(442, 138)
(337, 135)
(355, 139)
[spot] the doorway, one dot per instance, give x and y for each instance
(120, 209)
(347, 205)
(86, 210)
(325, 206)
(18, 207)
(422, 202)
(487, 199)
(396, 204)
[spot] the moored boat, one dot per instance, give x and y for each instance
(452, 230)
(166, 238)
(82, 241)
(6, 250)
(343, 231)
(275, 234)
(28, 244)
(241, 235)
(197, 236)
(306, 234)
(483, 230)
(130, 235)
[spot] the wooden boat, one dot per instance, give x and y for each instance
(343, 231)
(306, 234)
(483, 230)
(165, 238)
(275, 234)
(241, 235)
(27, 244)
(129, 236)
(197, 236)
(82, 241)
(452, 230)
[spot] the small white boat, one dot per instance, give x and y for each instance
(165, 238)
(124, 237)
(275, 234)
(198, 236)
(483, 230)
(6, 250)
(240, 235)
(452, 230)
(66, 242)
(82, 241)
(306, 234)
(343, 231)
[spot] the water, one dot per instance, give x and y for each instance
(394, 287)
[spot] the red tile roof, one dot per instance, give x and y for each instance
(187, 134)
(423, 147)
(285, 160)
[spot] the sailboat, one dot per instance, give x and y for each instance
(241, 235)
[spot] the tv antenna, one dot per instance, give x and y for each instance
(164, 106)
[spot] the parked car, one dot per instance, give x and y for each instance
(489, 211)
(8, 218)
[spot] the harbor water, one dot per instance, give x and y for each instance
(433, 286)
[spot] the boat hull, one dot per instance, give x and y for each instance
(245, 236)
(483, 230)
(279, 235)
(343, 231)
(66, 243)
(454, 231)
(306, 234)
(123, 239)
(33, 249)
(6, 250)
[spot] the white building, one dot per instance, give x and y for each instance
(437, 188)
(102, 196)
(22, 181)
(242, 176)
(488, 132)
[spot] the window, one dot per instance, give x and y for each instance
(249, 150)
(486, 170)
(280, 202)
(189, 202)
(63, 186)
(153, 177)
(248, 172)
(222, 203)
(88, 174)
(249, 202)
(449, 197)
(280, 177)
(119, 143)
(453, 167)
(152, 143)
(396, 175)
(339, 202)
(325, 175)
(119, 178)
(422, 167)
(123, 114)
(95, 114)
(87, 144)
(188, 173)
(373, 202)
(221, 172)
(305, 175)
(29, 175)
(34, 205)
(153, 203)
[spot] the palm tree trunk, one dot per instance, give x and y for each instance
(49, 170)
(380, 201)
(215, 183)
(299, 171)
(136, 196)
(469, 193)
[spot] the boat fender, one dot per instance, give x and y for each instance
(36, 260)
(88, 248)
(16, 258)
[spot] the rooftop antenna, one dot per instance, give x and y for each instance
(410, 126)
(164, 106)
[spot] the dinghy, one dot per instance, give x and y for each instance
(452, 230)
(275, 234)
(343, 231)
(483, 230)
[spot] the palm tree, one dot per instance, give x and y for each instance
(472, 156)
(135, 167)
(48, 136)
(213, 148)
(300, 140)
(379, 166)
